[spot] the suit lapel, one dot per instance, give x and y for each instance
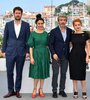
(59, 31)
(67, 32)
(13, 28)
(21, 29)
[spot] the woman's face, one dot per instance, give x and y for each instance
(77, 26)
(40, 25)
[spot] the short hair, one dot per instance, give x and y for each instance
(77, 20)
(39, 17)
(62, 15)
(18, 8)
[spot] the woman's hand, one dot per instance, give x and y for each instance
(32, 61)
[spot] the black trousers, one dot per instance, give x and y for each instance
(59, 66)
(10, 63)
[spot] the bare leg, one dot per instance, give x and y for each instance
(83, 84)
(35, 88)
(41, 87)
(41, 83)
(35, 83)
(75, 89)
(75, 85)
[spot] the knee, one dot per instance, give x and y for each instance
(55, 74)
(9, 73)
(63, 74)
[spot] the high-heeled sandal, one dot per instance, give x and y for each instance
(34, 93)
(75, 96)
(84, 95)
(41, 94)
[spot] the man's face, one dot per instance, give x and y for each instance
(62, 21)
(17, 15)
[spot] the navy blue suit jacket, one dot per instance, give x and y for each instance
(56, 43)
(11, 44)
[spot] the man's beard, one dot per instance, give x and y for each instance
(17, 19)
(63, 25)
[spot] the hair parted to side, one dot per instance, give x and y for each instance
(39, 17)
(77, 20)
(18, 8)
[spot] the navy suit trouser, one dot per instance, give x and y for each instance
(11, 62)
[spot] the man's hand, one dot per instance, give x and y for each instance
(4, 55)
(55, 56)
(27, 55)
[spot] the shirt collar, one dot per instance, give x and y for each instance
(19, 23)
(60, 28)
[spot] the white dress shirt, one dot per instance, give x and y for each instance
(17, 28)
(64, 34)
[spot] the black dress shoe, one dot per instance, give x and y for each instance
(63, 94)
(55, 95)
(18, 95)
(9, 94)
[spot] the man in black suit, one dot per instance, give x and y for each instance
(15, 50)
(59, 47)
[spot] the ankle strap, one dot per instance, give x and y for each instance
(34, 88)
(75, 93)
(40, 88)
(83, 93)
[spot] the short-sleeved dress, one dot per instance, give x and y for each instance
(39, 43)
(77, 62)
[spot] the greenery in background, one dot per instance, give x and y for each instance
(88, 9)
(58, 8)
(1, 39)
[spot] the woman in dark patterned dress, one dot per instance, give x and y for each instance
(78, 58)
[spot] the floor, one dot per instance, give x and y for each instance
(3, 91)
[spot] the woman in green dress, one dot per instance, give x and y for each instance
(39, 55)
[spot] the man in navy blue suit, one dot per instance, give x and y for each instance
(15, 50)
(59, 47)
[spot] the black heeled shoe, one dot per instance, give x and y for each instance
(84, 95)
(75, 96)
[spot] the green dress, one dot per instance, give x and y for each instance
(39, 43)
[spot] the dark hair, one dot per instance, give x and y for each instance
(18, 8)
(38, 17)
